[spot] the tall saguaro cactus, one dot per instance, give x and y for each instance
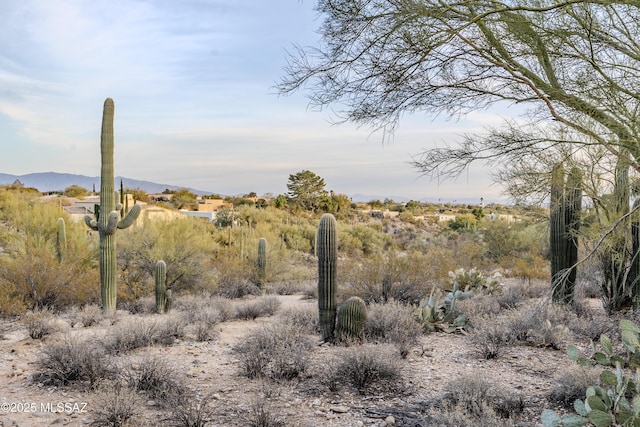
(61, 239)
(327, 251)
(566, 204)
(262, 264)
(109, 219)
(161, 286)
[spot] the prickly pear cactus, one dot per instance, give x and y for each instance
(327, 251)
(352, 317)
(161, 286)
(109, 219)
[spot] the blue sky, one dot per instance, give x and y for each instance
(192, 82)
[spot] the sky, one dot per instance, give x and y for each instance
(195, 105)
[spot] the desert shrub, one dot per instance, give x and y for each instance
(190, 305)
(262, 306)
(35, 279)
(292, 287)
(540, 326)
(90, 315)
(278, 352)
(154, 376)
(474, 394)
(142, 332)
(71, 360)
(229, 285)
(260, 414)
(364, 368)
(510, 297)
(114, 405)
(392, 323)
(40, 322)
(202, 322)
(491, 336)
(572, 384)
(191, 410)
(184, 244)
(303, 318)
(388, 276)
(142, 305)
(458, 415)
(478, 306)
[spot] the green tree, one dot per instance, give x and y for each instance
(184, 199)
(75, 191)
(305, 190)
(280, 201)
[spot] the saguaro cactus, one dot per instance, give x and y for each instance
(327, 251)
(161, 286)
(566, 204)
(352, 316)
(109, 219)
(61, 240)
(262, 264)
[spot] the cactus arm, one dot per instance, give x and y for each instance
(130, 217)
(91, 222)
(112, 223)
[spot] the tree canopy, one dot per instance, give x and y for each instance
(305, 190)
(573, 65)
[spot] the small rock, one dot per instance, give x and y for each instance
(390, 421)
(339, 409)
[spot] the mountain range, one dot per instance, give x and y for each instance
(54, 181)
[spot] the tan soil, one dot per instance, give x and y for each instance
(211, 367)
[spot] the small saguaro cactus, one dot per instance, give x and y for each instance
(161, 286)
(262, 264)
(352, 317)
(327, 251)
(108, 221)
(61, 239)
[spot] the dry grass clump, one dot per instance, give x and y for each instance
(72, 360)
(143, 332)
(191, 410)
(491, 336)
(114, 405)
(511, 297)
(392, 323)
(572, 384)
(154, 376)
(303, 317)
(41, 322)
(260, 307)
(260, 414)
(230, 286)
(278, 352)
(143, 305)
(478, 306)
(479, 399)
(364, 368)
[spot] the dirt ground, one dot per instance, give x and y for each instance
(211, 367)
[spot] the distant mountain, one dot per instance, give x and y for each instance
(53, 181)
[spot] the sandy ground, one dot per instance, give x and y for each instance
(212, 369)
